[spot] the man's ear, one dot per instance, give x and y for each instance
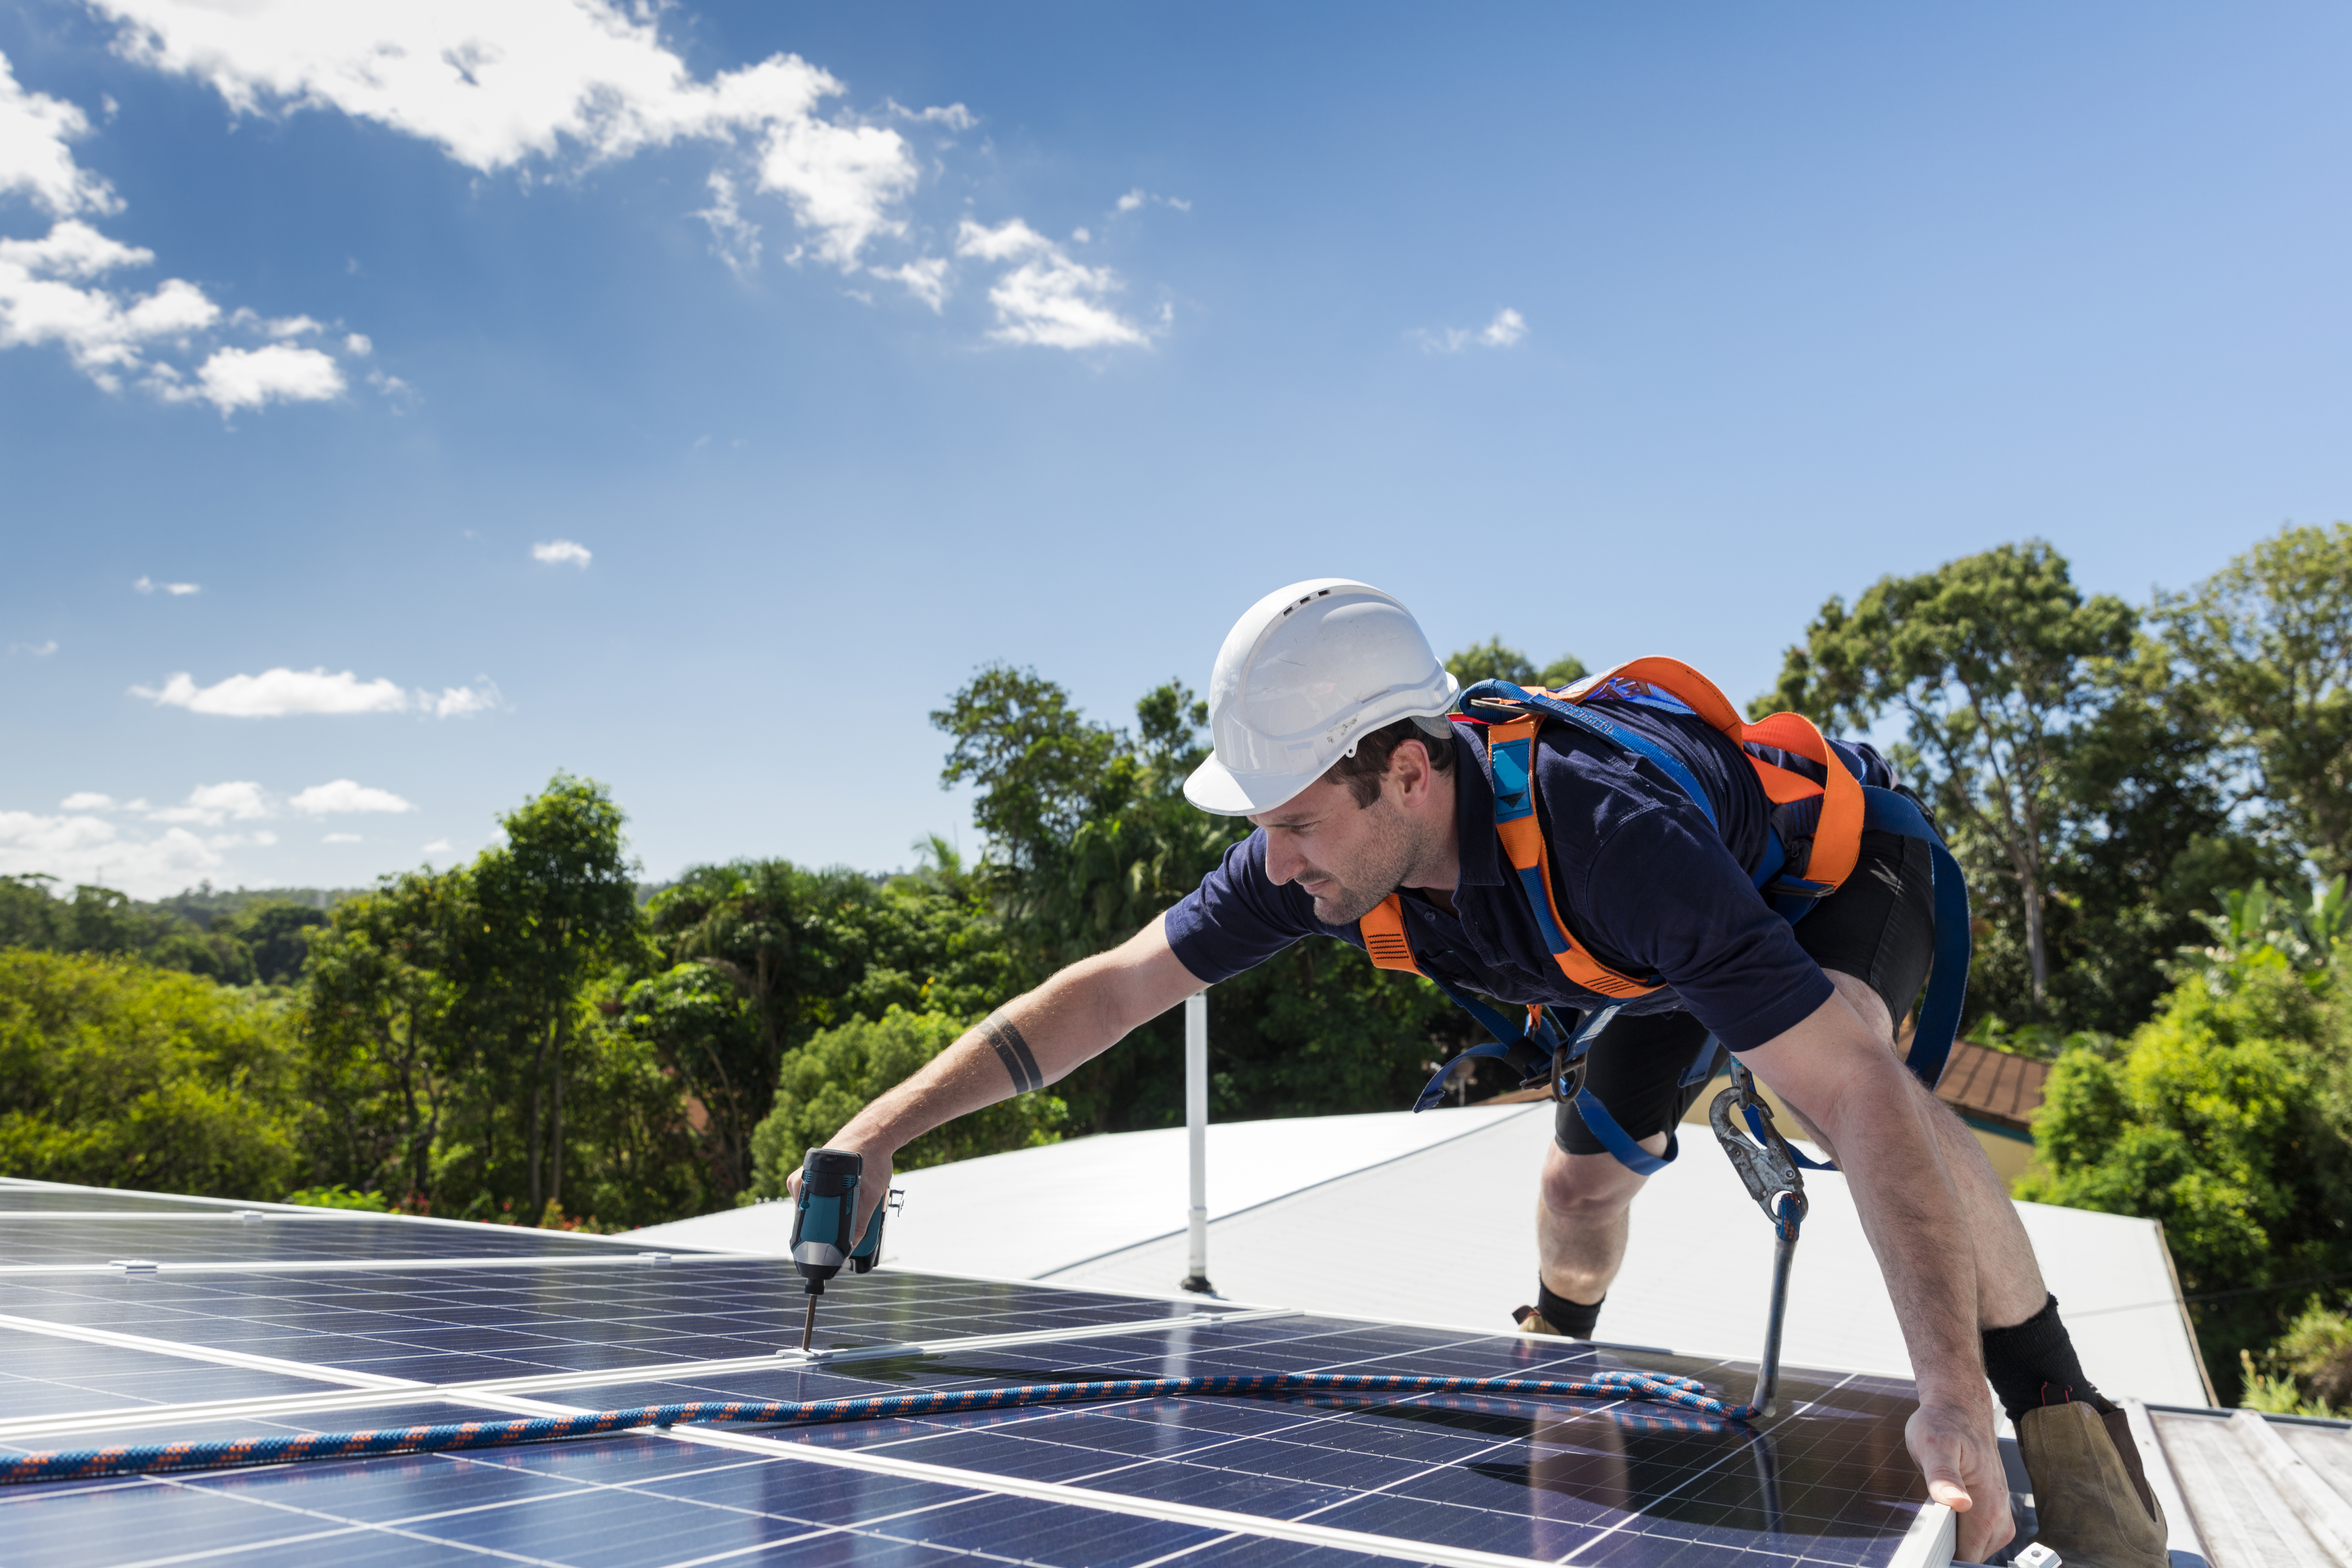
(1409, 767)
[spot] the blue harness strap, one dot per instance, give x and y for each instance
(1948, 978)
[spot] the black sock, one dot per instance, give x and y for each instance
(1573, 1319)
(2034, 1364)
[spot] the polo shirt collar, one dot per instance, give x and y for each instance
(1479, 852)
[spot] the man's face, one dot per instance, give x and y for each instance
(1348, 857)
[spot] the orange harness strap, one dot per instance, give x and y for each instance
(1384, 939)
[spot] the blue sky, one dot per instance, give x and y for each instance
(1795, 299)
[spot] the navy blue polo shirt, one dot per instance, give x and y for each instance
(1644, 882)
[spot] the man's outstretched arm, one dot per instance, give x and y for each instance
(1878, 1123)
(1035, 1040)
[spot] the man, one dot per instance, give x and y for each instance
(1328, 713)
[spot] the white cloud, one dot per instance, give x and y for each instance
(563, 553)
(496, 84)
(346, 795)
(341, 838)
(926, 279)
(231, 379)
(80, 847)
(458, 701)
(35, 159)
(403, 397)
(1506, 330)
(1507, 327)
(734, 238)
(87, 800)
(954, 116)
(278, 693)
(1047, 298)
(359, 345)
(840, 180)
(106, 336)
(48, 294)
(1139, 196)
(212, 805)
(177, 590)
(438, 847)
(38, 649)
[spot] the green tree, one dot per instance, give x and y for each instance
(2314, 1359)
(1313, 1031)
(636, 1160)
(1044, 770)
(710, 1038)
(384, 1021)
(276, 933)
(768, 953)
(2150, 834)
(1495, 660)
(2226, 1117)
(557, 904)
(2268, 640)
(100, 920)
(113, 1073)
(1993, 660)
(841, 1070)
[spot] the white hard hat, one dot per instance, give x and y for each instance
(1310, 671)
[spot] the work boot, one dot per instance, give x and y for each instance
(1531, 1321)
(2090, 1494)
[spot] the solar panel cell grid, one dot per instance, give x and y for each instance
(491, 1323)
(682, 1506)
(44, 1375)
(65, 1238)
(1632, 1486)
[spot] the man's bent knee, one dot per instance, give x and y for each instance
(1864, 999)
(1589, 1184)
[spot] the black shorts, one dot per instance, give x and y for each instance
(1879, 927)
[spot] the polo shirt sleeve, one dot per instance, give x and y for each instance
(1237, 919)
(1664, 894)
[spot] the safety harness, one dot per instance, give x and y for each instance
(1820, 807)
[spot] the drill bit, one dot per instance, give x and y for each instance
(808, 1323)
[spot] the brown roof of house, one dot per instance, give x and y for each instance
(1993, 1085)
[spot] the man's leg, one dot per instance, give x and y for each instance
(1581, 1220)
(1635, 1069)
(2008, 1279)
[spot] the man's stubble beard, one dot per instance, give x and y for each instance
(1389, 857)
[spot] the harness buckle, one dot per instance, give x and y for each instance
(1567, 1081)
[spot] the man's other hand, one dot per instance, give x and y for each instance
(1954, 1448)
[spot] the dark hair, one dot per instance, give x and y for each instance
(1363, 771)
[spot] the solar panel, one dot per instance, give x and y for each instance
(56, 1236)
(237, 1332)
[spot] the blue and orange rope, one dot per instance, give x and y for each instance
(163, 1458)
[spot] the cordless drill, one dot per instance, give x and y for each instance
(821, 1235)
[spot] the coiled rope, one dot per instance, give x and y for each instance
(86, 1463)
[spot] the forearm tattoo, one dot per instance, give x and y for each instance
(1013, 1052)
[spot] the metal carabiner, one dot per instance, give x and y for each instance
(1768, 1168)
